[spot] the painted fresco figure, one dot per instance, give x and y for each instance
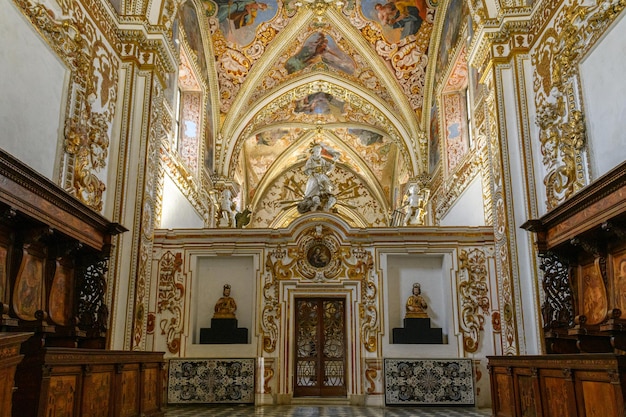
(406, 15)
(319, 189)
(241, 12)
(225, 307)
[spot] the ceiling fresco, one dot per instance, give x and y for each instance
(288, 74)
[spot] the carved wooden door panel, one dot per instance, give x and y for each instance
(320, 359)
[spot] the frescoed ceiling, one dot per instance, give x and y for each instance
(349, 75)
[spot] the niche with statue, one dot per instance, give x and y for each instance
(224, 327)
(417, 327)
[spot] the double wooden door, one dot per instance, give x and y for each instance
(320, 360)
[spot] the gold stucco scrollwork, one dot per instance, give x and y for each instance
(92, 94)
(361, 270)
(275, 270)
(557, 93)
(171, 299)
(473, 296)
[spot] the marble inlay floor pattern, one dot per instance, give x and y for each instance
(320, 411)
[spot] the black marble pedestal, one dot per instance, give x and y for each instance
(417, 331)
(223, 331)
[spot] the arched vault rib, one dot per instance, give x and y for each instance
(405, 122)
(385, 119)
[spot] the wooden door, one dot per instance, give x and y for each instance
(320, 359)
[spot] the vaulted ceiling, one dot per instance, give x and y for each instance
(285, 75)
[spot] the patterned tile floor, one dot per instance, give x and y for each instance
(320, 411)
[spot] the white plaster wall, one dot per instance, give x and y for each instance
(468, 209)
(432, 272)
(604, 96)
(32, 81)
(177, 212)
(211, 273)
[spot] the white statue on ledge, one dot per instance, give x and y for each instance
(227, 209)
(319, 189)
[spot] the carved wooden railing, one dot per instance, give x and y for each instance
(582, 245)
(53, 260)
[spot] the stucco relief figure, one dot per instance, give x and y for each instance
(227, 210)
(225, 307)
(318, 193)
(415, 206)
(416, 305)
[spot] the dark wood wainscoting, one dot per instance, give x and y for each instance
(582, 385)
(89, 382)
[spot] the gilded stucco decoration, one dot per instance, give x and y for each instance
(560, 114)
(295, 61)
(360, 267)
(405, 55)
(277, 267)
(156, 133)
(92, 94)
(170, 299)
(500, 220)
(238, 48)
(310, 261)
(317, 259)
(277, 206)
(473, 290)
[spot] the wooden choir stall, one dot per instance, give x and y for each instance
(582, 249)
(54, 254)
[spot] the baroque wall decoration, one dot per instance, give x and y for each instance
(473, 290)
(281, 197)
(92, 93)
(558, 96)
(170, 299)
(344, 264)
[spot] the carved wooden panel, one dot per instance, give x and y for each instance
(97, 394)
(9, 358)
(61, 298)
(599, 399)
(130, 394)
(619, 280)
(503, 400)
(4, 275)
(150, 394)
(29, 285)
(574, 385)
(594, 301)
(528, 406)
(557, 400)
(61, 394)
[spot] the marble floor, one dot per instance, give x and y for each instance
(320, 411)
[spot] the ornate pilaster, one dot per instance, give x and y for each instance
(504, 78)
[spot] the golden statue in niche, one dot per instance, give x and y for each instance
(416, 305)
(225, 307)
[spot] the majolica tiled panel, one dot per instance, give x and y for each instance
(211, 381)
(429, 382)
